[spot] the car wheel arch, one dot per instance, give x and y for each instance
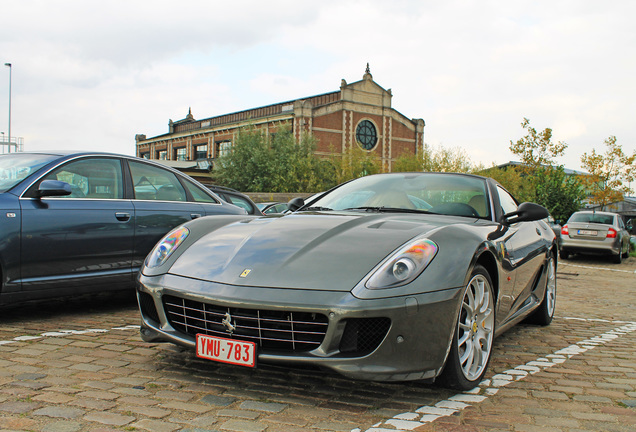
(487, 260)
(449, 374)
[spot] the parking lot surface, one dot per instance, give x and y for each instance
(80, 365)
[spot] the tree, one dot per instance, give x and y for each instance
(353, 163)
(560, 193)
(543, 181)
(259, 162)
(608, 172)
(513, 180)
(536, 148)
(434, 160)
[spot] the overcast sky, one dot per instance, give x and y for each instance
(92, 74)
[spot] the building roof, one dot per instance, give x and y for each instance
(515, 163)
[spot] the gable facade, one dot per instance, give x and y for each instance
(359, 114)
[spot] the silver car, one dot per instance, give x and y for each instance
(595, 232)
(389, 277)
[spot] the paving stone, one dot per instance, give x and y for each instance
(589, 398)
(59, 412)
(109, 418)
(155, 426)
(147, 411)
(242, 426)
(62, 426)
(93, 404)
(98, 395)
(17, 423)
(218, 400)
(53, 397)
(197, 408)
(263, 406)
(243, 414)
(18, 407)
(30, 376)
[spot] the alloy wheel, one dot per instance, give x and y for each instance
(476, 327)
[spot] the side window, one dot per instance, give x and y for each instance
(198, 194)
(97, 178)
(154, 183)
(508, 203)
(619, 221)
(240, 202)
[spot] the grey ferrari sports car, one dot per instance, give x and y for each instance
(389, 277)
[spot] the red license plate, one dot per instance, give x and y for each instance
(226, 350)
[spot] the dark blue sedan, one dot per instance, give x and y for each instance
(72, 223)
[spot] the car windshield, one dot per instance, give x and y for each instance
(604, 219)
(450, 194)
(15, 167)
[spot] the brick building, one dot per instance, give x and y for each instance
(358, 114)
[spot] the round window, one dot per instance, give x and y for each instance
(366, 135)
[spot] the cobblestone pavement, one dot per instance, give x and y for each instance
(81, 366)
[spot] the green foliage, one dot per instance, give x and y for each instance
(550, 187)
(539, 179)
(353, 163)
(270, 163)
(608, 172)
(536, 148)
(513, 180)
(435, 160)
(560, 193)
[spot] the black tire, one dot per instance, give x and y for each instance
(472, 330)
(545, 312)
(564, 255)
(618, 258)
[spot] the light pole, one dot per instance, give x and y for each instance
(10, 71)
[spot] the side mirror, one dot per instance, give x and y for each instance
(295, 203)
(526, 212)
(54, 188)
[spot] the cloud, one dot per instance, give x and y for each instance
(91, 74)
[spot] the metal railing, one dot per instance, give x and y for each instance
(16, 144)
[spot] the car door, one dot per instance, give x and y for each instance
(623, 234)
(524, 251)
(161, 203)
(83, 240)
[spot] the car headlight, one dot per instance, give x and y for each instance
(166, 247)
(404, 265)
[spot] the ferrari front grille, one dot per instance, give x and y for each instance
(271, 330)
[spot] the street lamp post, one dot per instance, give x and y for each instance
(10, 71)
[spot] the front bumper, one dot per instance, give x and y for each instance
(414, 347)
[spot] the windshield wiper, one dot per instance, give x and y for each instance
(388, 209)
(316, 208)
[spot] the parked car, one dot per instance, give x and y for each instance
(272, 207)
(235, 197)
(555, 226)
(382, 291)
(595, 232)
(78, 222)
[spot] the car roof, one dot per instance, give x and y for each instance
(74, 153)
(596, 212)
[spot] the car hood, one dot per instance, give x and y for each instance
(319, 251)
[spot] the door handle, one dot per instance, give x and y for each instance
(121, 216)
(195, 215)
